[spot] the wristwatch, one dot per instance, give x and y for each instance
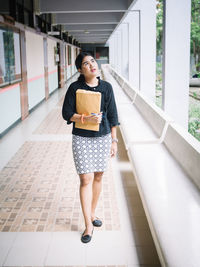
(114, 140)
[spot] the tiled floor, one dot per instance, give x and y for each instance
(53, 124)
(40, 216)
(40, 191)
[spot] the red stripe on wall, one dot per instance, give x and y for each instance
(35, 78)
(50, 72)
(3, 90)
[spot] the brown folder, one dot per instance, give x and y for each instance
(87, 102)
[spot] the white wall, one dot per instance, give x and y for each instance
(35, 54)
(35, 68)
(10, 108)
(10, 102)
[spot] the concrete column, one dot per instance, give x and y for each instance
(147, 46)
(134, 49)
(115, 53)
(176, 59)
(125, 50)
(62, 81)
(118, 65)
(111, 51)
(24, 82)
(115, 46)
(46, 78)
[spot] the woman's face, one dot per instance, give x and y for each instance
(89, 67)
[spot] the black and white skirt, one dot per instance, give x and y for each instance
(91, 154)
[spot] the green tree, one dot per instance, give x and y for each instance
(195, 32)
(159, 26)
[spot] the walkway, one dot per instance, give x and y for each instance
(40, 215)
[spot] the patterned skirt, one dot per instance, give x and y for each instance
(91, 154)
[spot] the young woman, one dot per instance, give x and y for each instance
(91, 149)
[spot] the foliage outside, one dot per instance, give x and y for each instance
(195, 33)
(194, 118)
(194, 106)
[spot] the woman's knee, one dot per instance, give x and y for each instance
(85, 179)
(98, 176)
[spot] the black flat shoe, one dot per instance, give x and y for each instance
(86, 238)
(97, 222)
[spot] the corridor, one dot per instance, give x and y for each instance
(40, 214)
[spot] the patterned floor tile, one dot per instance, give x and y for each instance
(60, 103)
(54, 124)
(39, 191)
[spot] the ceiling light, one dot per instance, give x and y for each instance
(86, 32)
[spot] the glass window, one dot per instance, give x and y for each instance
(10, 57)
(69, 55)
(28, 4)
(102, 53)
(20, 2)
(4, 7)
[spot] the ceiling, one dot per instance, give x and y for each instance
(88, 21)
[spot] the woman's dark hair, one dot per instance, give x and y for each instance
(78, 63)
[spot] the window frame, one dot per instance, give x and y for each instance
(13, 29)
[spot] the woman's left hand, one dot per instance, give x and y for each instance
(113, 151)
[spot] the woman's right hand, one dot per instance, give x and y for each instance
(94, 119)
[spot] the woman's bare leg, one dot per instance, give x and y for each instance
(96, 188)
(86, 180)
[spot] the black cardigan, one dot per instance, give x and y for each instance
(108, 107)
